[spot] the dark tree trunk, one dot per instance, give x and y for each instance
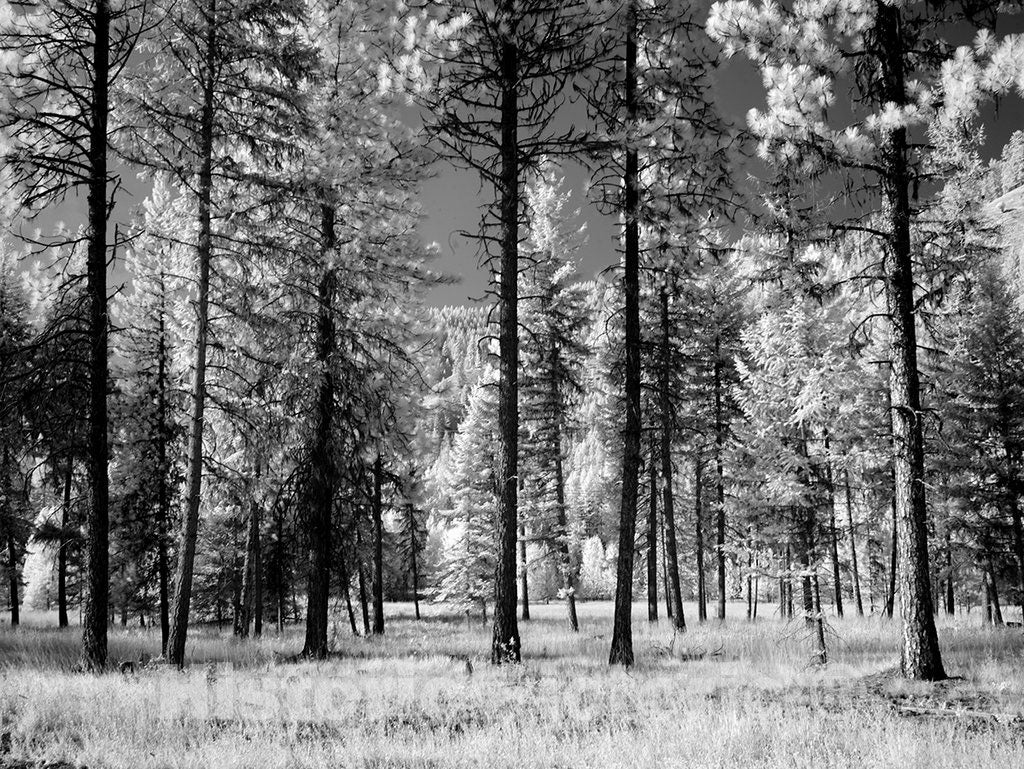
(320, 484)
(993, 593)
(890, 597)
(920, 657)
(622, 626)
(667, 436)
(62, 548)
(698, 514)
(837, 585)
(97, 533)
(652, 542)
(257, 612)
(853, 546)
(346, 584)
(719, 479)
(505, 644)
(163, 511)
(377, 509)
(750, 575)
(664, 572)
(950, 593)
(789, 582)
(249, 568)
(190, 520)
(524, 576)
(363, 604)
(279, 547)
(821, 652)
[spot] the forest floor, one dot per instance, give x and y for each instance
(732, 695)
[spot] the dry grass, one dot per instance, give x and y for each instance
(407, 700)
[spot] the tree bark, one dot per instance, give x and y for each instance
(719, 479)
(993, 592)
(249, 568)
(346, 583)
(698, 514)
(163, 511)
(890, 596)
(363, 604)
(667, 437)
(622, 624)
(524, 576)
(505, 643)
(378, 548)
(853, 546)
(320, 484)
(257, 612)
(62, 548)
(920, 657)
(190, 520)
(97, 535)
(652, 542)
(950, 593)
(837, 585)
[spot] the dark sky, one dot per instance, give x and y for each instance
(452, 200)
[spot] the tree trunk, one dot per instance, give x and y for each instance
(667, 436)
(97, 534)
(698, 514)
(853, 547)
(62, 548)
(257, 612)
(346, 583)
(920, 657)
(377, 508)
(652, 543)
(249, 568)
(664, 571)
(950, 593)
(837, 585)
(505, 643)
(821, 652)
(622, 625)
(320, 484)
(413, 548)
(363, 605)
(719, 479)
(993, 592)
(524, 576)
(279, 547)
(890, 598)
(163, 511)
(190, 520)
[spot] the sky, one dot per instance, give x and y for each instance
(452, 200)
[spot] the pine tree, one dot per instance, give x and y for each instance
(902, 64)
(62, 59)
(552, 356)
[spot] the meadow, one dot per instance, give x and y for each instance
(733, 694)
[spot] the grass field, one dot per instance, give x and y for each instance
(722, 695)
